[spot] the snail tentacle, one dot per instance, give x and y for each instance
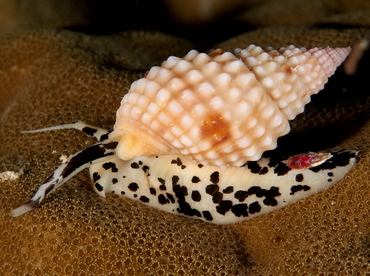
(100, 134)
(99, 152)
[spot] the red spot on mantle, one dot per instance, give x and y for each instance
(307, 160)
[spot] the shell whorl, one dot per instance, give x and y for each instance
(221, 108)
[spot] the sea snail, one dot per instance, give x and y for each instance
(188, 136)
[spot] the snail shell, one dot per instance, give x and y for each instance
(221, 108)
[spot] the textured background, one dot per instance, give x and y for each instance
(63, 62)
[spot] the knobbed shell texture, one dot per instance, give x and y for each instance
(221, 108)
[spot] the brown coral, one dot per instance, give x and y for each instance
(54, 77)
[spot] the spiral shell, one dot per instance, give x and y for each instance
(221, 108)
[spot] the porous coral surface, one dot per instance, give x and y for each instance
(51, 77)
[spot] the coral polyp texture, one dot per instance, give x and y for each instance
(54, 77)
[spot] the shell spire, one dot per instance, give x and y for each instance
(290, 75)
(221, 108)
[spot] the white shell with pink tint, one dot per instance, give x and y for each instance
(221, 108)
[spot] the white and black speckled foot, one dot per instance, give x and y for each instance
(177, 185)
(98, 133)
(217, 195)
(100, 152)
